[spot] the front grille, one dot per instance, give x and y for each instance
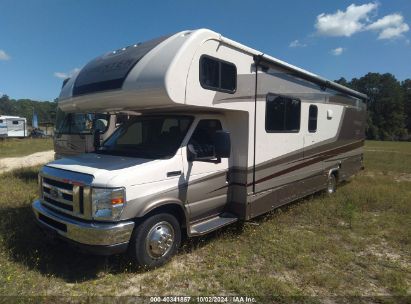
(66, 197)
(58, 204)
(57, 183)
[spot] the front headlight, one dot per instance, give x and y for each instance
(108, 203)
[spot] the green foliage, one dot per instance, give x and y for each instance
(45, 110)
(406, 90)
(389, 105)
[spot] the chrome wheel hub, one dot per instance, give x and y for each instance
(160, 240)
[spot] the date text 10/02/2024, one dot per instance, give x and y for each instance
(206, 299)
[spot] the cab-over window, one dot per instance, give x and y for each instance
(218, 75)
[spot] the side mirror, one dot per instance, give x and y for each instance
(191, 153)
(96, 139)
(222, 144)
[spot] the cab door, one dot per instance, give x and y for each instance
(206, 180)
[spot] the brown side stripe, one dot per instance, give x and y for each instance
(314, 159)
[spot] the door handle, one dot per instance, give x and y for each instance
(173, 173)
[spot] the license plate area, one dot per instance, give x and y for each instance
(57, 225)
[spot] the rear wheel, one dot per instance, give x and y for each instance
(331, 184)
(155, 240)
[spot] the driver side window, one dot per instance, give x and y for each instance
(202, 139)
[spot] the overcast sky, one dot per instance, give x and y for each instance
(42, 42)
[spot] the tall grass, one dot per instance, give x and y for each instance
(354, 243)
(22, 147)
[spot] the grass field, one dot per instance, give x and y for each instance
(22, 147)
(354, 243)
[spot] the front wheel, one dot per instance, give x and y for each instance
(155, 240)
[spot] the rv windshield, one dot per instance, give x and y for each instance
(149, 137)
(81, 123)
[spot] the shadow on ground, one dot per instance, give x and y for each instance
(26, 244)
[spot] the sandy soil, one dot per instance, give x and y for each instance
(12, 163)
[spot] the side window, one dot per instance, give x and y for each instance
(218, 75)
(15, 122)
(282, 114)
(133, 136)
(203, 137)
(121, 119)
(312, 119)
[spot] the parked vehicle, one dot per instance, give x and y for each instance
(37, 133)
(13, 126)
(225, 134)
(74, 132)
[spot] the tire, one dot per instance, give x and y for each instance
(155, 240)
(331, 184)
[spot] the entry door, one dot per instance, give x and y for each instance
(207, 189)
(314, 178)
(310, 136)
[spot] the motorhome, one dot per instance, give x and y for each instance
(73, 132)
(13, 126)
(225, 134)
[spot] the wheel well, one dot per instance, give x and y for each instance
(173, 209)
(335, 173)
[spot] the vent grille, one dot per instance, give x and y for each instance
(66, 197)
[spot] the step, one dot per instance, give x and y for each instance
(214, 223)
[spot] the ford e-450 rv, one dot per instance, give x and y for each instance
(224, 134)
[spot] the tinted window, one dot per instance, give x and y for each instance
(15, 122)
(210, 74)
(228, 76)
(148, 137)
(203, 137)
(218, 75)
(312, 119)
(81, 123)
(282, 114)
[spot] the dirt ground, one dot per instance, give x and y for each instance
(12, 163)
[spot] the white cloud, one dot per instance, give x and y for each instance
(60, 75)
(357, 18)
(64, 75)
(337, 51)
(4, 55)
(390, 26)
(345, 23)
(296, 43)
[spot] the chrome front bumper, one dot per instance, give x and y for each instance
(82, 232)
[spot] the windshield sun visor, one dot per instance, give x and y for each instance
(109, 71)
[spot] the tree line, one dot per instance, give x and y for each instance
(388, 107)
(46, 110)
